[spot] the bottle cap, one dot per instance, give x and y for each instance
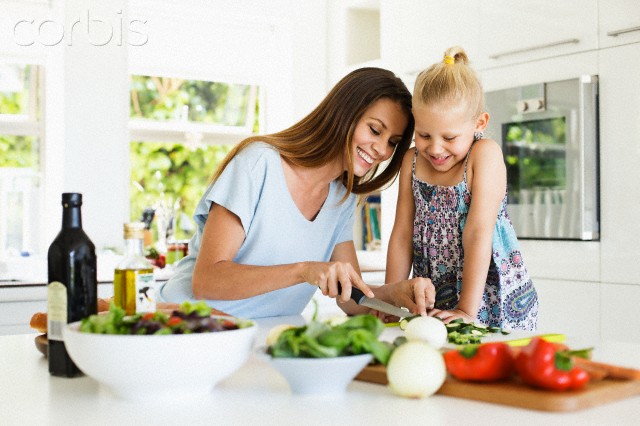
(134, 230)
(73, 199)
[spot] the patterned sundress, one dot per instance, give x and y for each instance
(509, 300)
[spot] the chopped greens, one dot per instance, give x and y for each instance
(463, 333)
(357, 335)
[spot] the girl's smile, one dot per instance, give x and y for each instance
(439, 160)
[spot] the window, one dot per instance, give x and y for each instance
(180, 131)
(20, 144)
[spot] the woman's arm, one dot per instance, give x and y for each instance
(400, 250)
(216, 276)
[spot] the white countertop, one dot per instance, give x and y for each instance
(258, 394)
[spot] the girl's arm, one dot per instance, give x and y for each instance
(488, 186)
(216, 276)
(400, 250)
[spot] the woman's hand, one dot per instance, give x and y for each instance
(416, 294)
(327, 276)
(450, 315)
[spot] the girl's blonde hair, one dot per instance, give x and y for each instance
(327, 132)
(451, 80)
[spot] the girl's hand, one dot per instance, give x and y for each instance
(327, 275)
(416, 294)
(450, 315)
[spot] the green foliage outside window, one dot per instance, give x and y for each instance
(18, 150)
(162, 99)
(11, 102)
(174, 173)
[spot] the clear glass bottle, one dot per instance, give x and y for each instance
(72, 292)
(133, 282)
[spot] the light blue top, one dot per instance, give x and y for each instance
(253, 187)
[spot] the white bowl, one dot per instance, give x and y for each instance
(159, 367)
(318, 375)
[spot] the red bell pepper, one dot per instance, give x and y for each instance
(486, 362)
(542, 365)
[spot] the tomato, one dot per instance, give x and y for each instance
(174, 321)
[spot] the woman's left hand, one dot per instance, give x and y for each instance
(449, 315)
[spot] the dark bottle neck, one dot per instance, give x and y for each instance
(71, 216)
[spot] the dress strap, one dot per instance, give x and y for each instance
(466, 160)
(413, 167)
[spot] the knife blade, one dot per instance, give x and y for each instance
(358, 296)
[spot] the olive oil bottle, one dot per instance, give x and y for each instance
(133, 282)
(72, 292)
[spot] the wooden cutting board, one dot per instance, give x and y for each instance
(516, 394)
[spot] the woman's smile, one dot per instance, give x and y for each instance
(364, 156)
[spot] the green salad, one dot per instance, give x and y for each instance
(322, 339)
(189, 318)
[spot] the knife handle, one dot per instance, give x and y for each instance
(356, 293)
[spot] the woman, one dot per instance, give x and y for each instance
(277, 220)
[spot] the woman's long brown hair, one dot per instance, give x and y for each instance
(326, 133)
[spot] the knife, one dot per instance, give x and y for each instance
(378, 305)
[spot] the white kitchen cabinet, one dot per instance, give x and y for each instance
(19, 303)
(619, 22)
(415, 33)
(521, 31)
(619, 160)
(619, 319)
(570, 307)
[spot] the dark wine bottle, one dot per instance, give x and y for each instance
(72, 292)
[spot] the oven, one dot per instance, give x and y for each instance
(549, 137)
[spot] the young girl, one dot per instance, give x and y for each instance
(451, 222)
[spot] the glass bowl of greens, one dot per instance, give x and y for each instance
(160, 356)
(323, 357)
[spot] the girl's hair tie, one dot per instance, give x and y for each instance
(449, 60)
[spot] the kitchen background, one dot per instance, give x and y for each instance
(289, 53)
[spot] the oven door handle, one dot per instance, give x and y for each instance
(588, 140)
(531, 48)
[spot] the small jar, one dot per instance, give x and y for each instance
(176, 250)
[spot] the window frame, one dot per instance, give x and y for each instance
(30, 124)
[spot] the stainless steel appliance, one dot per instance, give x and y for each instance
(549, 137)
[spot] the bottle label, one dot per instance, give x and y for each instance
(56, 310)
(145, 293)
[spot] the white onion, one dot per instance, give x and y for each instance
(415, 370)
(427, 329)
